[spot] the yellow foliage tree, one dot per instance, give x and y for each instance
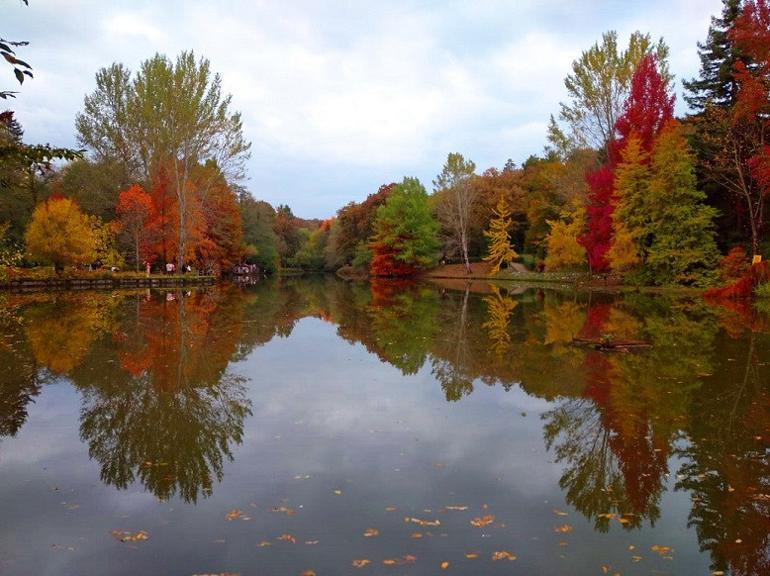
(624, 253)
(500, 250)
(60, 234)
(564, 251)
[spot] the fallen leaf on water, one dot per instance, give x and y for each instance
(738, 541)
(302, 476)
(456, 508)
(264, 544)
(408, 559)
(563, 529)
(360, 563)
(288, 538)
(471, 555)
(308, 573)
(124, 536)
(444, 565)
(607, 515)
(502, 555)
(236, 514)
(420, 522)
(284, 510)
(338, 492)
(371, 532)
(563, 543)
(480, 521)
(636, 558)
(416, 535)
(631, 547)
(559, 512)
(311, 542)
(662, 550)
(390, 509)
(718, 573)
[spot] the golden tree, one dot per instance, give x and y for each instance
(60, 234)
(500, 250)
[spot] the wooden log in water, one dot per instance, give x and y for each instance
(611, 345)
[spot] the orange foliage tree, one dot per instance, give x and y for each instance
(135, 211)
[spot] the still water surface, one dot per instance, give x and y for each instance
(316, 425)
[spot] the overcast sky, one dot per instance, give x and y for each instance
(339, 97)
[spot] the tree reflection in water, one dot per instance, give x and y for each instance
(161, 406)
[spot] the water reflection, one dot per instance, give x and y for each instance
(163, 406)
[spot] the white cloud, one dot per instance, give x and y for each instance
(365, 88)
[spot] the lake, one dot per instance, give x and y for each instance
(314, 426)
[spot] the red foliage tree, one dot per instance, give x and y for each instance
(648, 107)
(751, 35)
(598, 237)
(645, 112)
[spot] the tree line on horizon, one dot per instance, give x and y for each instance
(622, 185)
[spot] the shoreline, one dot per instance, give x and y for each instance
(32, 284)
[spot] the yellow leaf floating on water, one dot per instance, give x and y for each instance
(371, 532)
(444, 565)
(264, 544)
(416, 535)
(284, 510)
(408, 559)
(482, 521)
(636, 558)
(390, 509)
(308, 573)
(502, 555)
(311, 542)
(124, 536)
(419, 522)
(471, 555)
(236, 514)
(287, 538)
(456, 508)
(338, 492)
(559, 512)
(563, 529)
(662, 550)
(360, 563)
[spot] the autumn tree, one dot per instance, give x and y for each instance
(259, 238)
(455, 200)
(598, 86)
(680, 226)
(134, 210)
(751, 35)
(221, 243)
(60, 234)
(646, 110)
(405, 232)
(170, 115)
(632, 213)
(564, 250)
(500, 250)
(353, 227)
